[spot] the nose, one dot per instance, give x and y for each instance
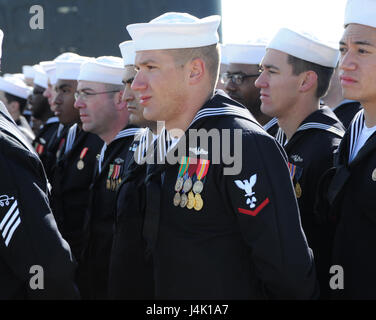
(139, 83)
(230, 86)
(128, 95)
(47, 93)
(79, 103)
(261, 81)
(57, 100)
(347, 61)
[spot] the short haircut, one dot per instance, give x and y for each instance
(209, 54)
(324, 74)
(113, 87)
(21, 101)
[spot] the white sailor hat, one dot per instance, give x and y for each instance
(68, 67)
(51, 72)
(127, 52)
(15, 86)
(175, 30)
(40, 73)
(17, 75)
(28, 71)
(1, 41)
(305, 47)
(245, 53)
(361, 12)
(104, 69)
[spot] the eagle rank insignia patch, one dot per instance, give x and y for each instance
(251, 200)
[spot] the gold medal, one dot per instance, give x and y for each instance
(374, 175)
(191, 200)
(179, 184)
(187, 185)
(190, 203)
(183, 200)
(80, 164)
(177, 199)
(298, 190)
(199, 203)
(198, 186)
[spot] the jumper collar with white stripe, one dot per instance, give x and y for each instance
(355, 130)
(219, 105)
(222, 105)
(270, 124)
(343, 102)
(321, 119)
(49, 121)
(52, 120)
(127, 132)
(71, 138)
(10, 128)
(59, 130)
(146, 140)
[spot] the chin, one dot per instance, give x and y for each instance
(267, 110)
(149, 116)
(86, 127)
(351, 94)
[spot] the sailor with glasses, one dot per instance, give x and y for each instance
(104, 113)
(243, 70)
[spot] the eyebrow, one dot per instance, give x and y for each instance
(146, 62)
(86, 89)
(269, 66)
(362, 43)
(63, 86)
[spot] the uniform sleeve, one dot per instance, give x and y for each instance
(30, 244)
(263, 200)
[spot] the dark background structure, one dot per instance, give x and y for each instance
(88, 27)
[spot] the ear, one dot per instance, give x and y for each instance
(120, 104)
(309, 81)
(197, 71)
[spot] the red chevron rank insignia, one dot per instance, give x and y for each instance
(254, 212)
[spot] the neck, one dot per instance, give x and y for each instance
(370, 114)
(108, 138)
(46, 117)
(291, 121)
(110, 135)
(182, 120)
